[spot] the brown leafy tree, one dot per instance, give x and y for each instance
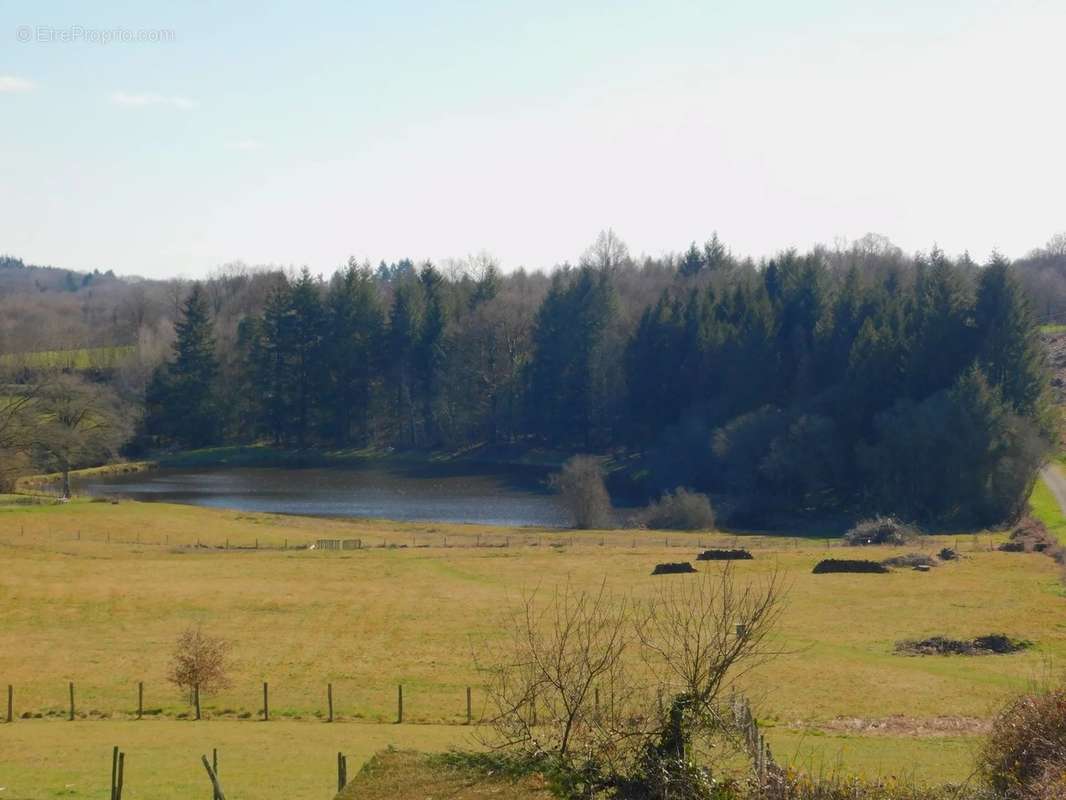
(199, 661)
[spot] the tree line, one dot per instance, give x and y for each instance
(818, 382)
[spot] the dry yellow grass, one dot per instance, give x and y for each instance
(106, 615)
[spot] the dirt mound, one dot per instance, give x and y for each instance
(847, 565)
(724, 555)
(673, 568)
(992, 644)
(912, 560)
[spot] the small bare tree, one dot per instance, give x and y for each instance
(199, 662)
(615, 694)
(698, 637)
(580, 482)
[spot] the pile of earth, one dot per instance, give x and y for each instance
(724, 555)
(992, 644)
(673, 568)
(848, 565)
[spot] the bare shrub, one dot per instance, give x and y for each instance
(606, 694)
(881, 530)
(1028, 737)
(580, 482)
(563, 648)
(199, 660)
(680, 510)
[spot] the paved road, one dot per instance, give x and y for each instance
(1056, 482)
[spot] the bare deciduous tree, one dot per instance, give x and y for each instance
(699, 636)
(72, 422)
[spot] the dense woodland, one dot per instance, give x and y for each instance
(845, 380)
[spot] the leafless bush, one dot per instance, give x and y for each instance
(614, 694)
(680, 510)
(199, 660)
(580, 482)
(564, 648)
(698, 636)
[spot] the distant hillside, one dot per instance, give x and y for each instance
(16, 276)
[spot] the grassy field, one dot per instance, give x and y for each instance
(76, 607)
(83, 358)
(1046, 508)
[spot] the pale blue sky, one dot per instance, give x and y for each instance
(301, 134)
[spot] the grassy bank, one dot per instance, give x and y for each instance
(1046, 509)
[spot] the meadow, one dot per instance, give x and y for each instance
(96, 593)
(78, 359)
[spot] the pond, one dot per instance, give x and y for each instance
(489, 495)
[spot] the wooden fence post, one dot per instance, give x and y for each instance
(72, 701)
(140, 699)
(469, 707)
(114, 770)
(329, 698)
(266, 703)
(342, 771)
(214, 768)
(215, 785)
(399, 704)
(121, 775)
(196, 699)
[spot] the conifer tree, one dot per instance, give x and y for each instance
(182, 397)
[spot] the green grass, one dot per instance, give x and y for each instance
(1053, 328)
(75, 608)
(257, 761)
(406, 775)
(79, 359)
(1046, 509)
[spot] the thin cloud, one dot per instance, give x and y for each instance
(245, 145)
(12, 83)
(144, 99)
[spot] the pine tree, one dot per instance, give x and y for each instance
(354, 320)
(182, 399)
(307, 332)
(1010, 351)
(405, 331)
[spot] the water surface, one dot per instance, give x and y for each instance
(489, 495)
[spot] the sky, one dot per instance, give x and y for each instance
(167, 139)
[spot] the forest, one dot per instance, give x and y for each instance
(848, 380)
